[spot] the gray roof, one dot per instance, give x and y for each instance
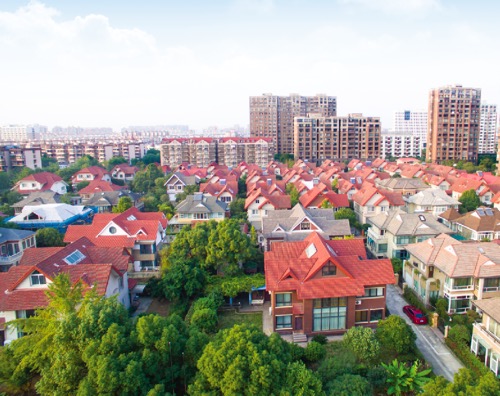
(400, 223)
(10, 234)
(187, 180)
(402, 183)
(288, 219)
(202, 204)
(432, 197)
(490, 306)
(39, 198)
(109, 198)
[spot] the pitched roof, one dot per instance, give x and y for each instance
(96, 171)
(490, 306)
(402, 183)
(98, 186)
(287, 220)
(368, 191)
(137, 225)
(218, 188)
(278, 201)
(481, 219)
(400, 223)
(457, 259)
(11, 234)
(450, 214)
(39, 198)
(46, 180)
(432, 197)
(463, 184)
(200, 203)
(296, 266)
(50, 212)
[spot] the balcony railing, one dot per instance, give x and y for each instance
(485, 332)
(8, 259)
(458, 287)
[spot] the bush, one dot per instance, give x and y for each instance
(467, 357)
(296, 351)
(348, 385)
(320, 339)
(394, 334)
(377, 377)
(362, 343)
(205, 319)
(314, 351)
(342, 363)
(460, 334)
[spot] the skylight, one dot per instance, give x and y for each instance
(74, 258)
(311, 249)
(131, 218)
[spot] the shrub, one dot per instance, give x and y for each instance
(314, 351)
(414, 300)
(296, 351)
(320, 339)
(348, 385)
(460, 334)
(394, 334)
(468, 358)
(362, 342)
(377, 376)
(205, 319)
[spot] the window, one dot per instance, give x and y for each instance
(284, 322)
(361, 316)
(37, 278)
(370, 208)
(74, 258)
(491, 284)
(329, 314)
(382, 248)
(112, 230)
(145, 249)
(283, 299)
(376, 315)
(179, 187)
(374, 292)
(305, 225)
(329, 269)
(255, 211)
(402, 240)
(200, 216)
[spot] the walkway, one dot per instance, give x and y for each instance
(144, 303)
(429, 341)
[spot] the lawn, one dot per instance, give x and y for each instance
(228, 319)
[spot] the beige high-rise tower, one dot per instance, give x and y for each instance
(454, 123)
(272, 116)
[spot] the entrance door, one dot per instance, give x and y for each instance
(298, 323)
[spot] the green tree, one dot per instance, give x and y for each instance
(11, 197)
(244, 361)
(124, 203)
(228, 248)
(188, 190)
(346, 213)
(237, 209)
(470, 201)
(49, 237)
(167, 209)
(82, 185)
(335, 185)
(363, 343)
(394, 334)
(144, 181)
(300, 381)
(115, 161)
(348, 385)
(397, 265)
(314, 351)
(292, 191)
(152, 156)
(403, 380)
(242, 187)
(48, 161)
(5, 181)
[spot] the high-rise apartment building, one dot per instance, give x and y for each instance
(454, 123)
(225, 151)
(488, 129)
(21, 133)
(272, 116)
(398, 145)
(14, 157)
(318, 138)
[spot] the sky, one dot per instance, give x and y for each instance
(154, 62)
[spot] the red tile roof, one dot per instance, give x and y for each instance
(289, 267)
(98, 186)
(144, 227)
(96, 171)
(46, 179)
(278, 201)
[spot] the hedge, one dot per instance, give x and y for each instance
(468, 358)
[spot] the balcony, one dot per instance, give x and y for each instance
(10, 259)
(480, 329)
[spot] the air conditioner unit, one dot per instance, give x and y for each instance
(358, 302)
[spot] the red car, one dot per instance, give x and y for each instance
(415, 314)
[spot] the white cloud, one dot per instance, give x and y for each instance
(397, 6)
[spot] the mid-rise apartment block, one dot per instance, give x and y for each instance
(353, 136)
(397, 145)
(225, 151)
(454, 124)
(488, 129)
(273, 116)
(412, 123)
(13, 157)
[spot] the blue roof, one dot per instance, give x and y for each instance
(11, 234)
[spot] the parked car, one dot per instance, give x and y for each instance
(415, 314)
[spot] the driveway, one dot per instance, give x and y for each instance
(144, 303)
(429, 341)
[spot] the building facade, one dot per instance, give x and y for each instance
(454, 124)
(13, 157)
(399, 145)
(319, 138)
(488, 129)
(413, 123)
(21, 133)
(272, 116)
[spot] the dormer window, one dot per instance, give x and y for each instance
(37, 278)
(112, 230)
(329, 269)
(305, 225)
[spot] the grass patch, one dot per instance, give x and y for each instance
(228, 319)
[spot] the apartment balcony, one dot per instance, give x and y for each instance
(452, 289)
(376, 236)
(10, 259)
(480, 330)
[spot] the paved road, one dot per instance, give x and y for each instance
(144, 303)
(429, 341)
